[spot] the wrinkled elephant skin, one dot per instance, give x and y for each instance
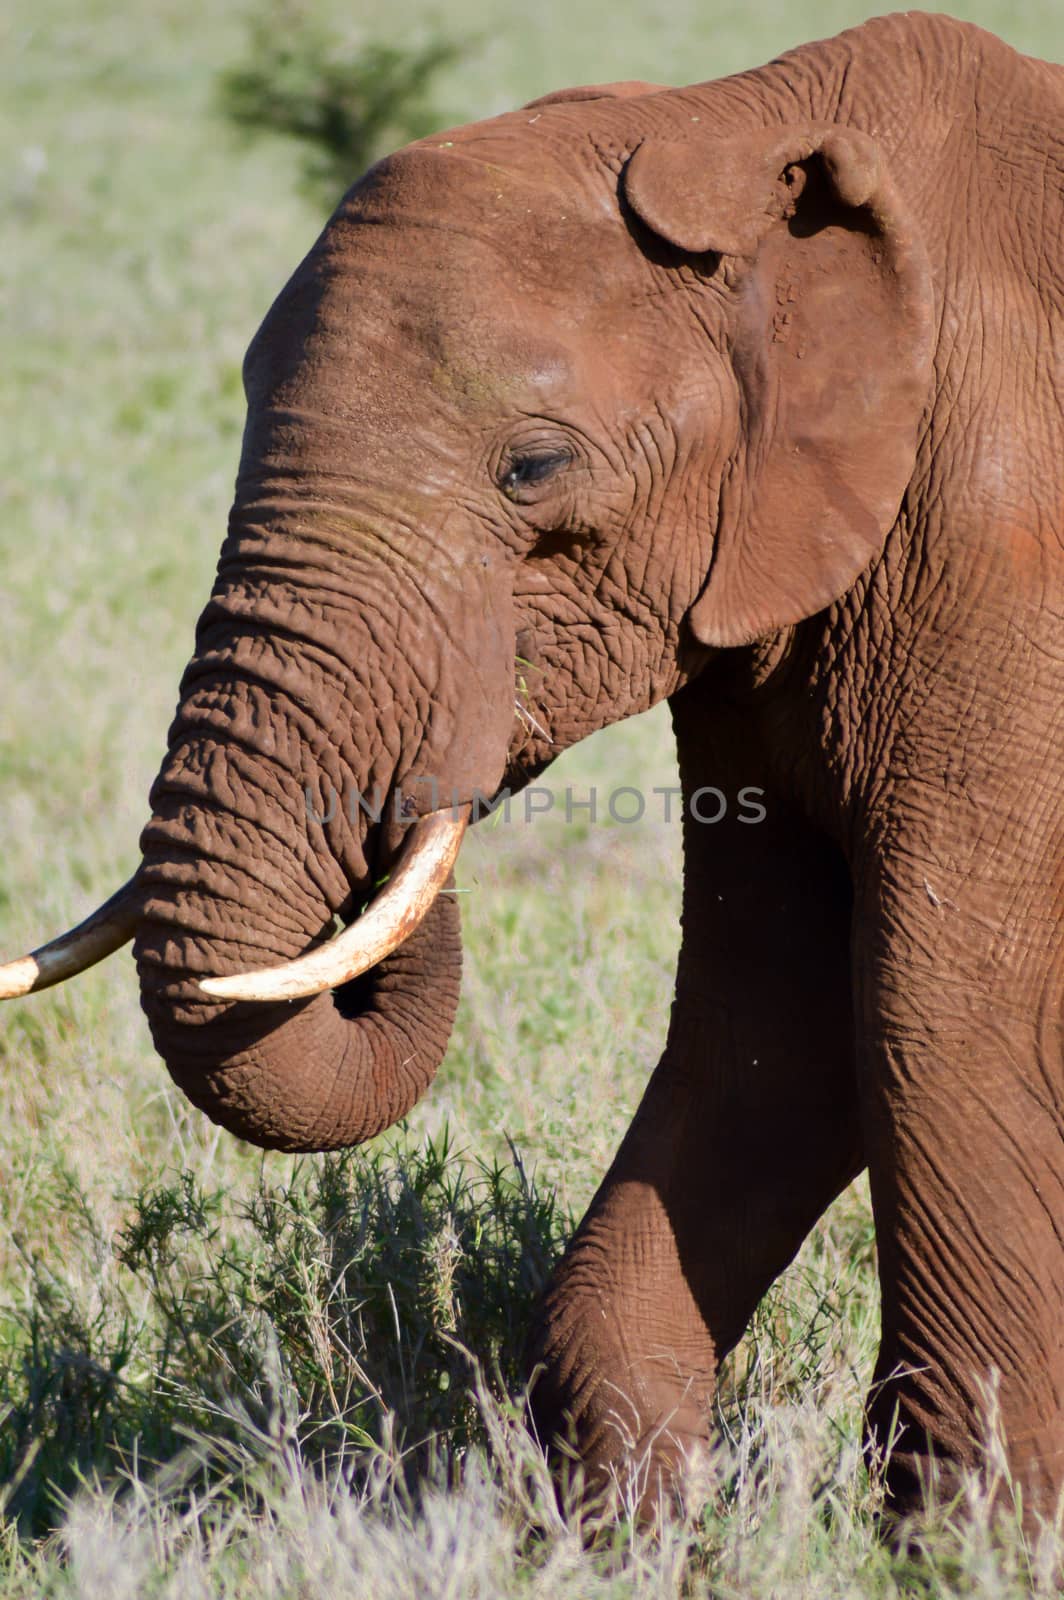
(748, 396)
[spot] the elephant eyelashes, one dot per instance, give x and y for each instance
(527, 473)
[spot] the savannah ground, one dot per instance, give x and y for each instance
(224, 1374)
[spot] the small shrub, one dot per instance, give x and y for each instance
(384, 1278)
(346, 103)
(342, 1308)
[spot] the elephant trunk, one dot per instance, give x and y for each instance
(312, 1075)
(293, 765)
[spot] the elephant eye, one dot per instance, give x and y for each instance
(529, 471)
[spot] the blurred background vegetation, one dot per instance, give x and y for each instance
(345, 97)
(234, 1363)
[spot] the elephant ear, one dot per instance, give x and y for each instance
(831, 339)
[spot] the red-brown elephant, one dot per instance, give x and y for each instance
(749, 396)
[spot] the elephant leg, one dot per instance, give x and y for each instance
(960, 984)
(748, 1129)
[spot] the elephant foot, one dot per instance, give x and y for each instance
(626, 1430)
(937, 1464)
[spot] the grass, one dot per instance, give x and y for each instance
(230, 1375)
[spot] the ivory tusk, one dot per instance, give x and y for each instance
(424, 867)
(108, 928)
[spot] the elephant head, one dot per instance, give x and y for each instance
(607, 385)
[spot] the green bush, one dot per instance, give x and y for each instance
(339, 1307)
(347, 102)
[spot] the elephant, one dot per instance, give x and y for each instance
(745, 396)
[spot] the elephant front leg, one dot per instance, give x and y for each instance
(960, 982)
(747, 1131)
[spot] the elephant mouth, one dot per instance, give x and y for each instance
(423, 866)
(520, 771)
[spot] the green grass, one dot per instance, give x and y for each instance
(228, 1375)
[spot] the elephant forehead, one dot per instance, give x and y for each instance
(473, 185)
(353, 346)
(472, 228)
(450, 320)
(443, 284)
